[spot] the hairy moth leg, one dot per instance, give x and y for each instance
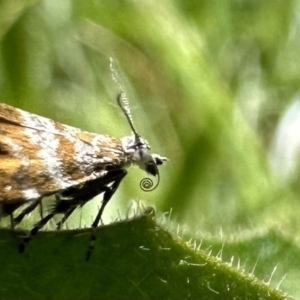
(34, 231)
(65, 217)
(119, 176)
(76, 198)
(7, 209)
(29, 209)
(65, 207)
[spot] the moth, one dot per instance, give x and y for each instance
(40, 157)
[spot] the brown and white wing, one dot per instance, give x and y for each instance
(40, 157)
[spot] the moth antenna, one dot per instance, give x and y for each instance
(122, 99)
(115, 75)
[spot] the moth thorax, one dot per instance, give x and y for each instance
(129, 143)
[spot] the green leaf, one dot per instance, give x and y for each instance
(133, 259)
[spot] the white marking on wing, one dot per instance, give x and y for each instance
(48, 145)
(37, 122)
(15, 149)
(31, 194)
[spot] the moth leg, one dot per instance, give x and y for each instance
(64, 218)
(27, 210)
(35, 230)
(41, 210)
(63, 206)
(12, 223)
(110, 190)
(7, 209)
(77, 198)
(60, 207)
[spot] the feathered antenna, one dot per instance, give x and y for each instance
(123, 100)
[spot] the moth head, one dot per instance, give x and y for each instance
(141, 154)
(142, 157)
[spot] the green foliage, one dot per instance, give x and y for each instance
(133, 259)
(208, 82)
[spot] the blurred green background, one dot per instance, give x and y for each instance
(213, 85)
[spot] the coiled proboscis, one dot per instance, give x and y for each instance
(146, 184)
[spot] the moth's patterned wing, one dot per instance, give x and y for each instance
(40, 157)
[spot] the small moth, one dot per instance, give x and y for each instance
(40, 157)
